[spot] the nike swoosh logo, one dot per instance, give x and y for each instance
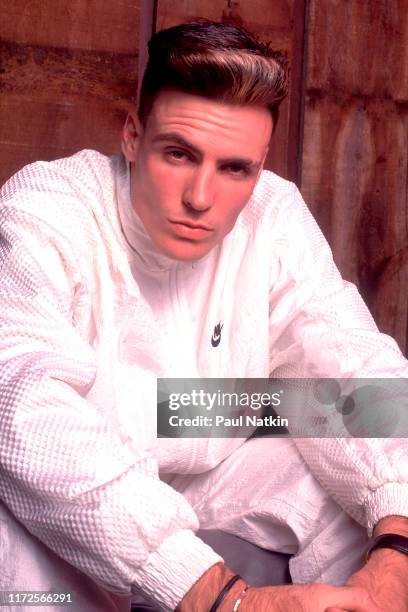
(215, 340)
(216, 337)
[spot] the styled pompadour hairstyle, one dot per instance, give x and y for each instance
(217, 61)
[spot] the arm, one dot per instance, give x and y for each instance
(66, 474)
(332, 334)
(304, 598)
(392, 524)
(320, 327)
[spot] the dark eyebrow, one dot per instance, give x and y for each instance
(176, 138)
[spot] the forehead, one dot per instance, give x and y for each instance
(213, 127)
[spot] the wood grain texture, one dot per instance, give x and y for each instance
(355, 150)
(271, 21)
(93, 25)
(56, 99)
(69, 72)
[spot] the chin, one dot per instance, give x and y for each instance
(185, 251)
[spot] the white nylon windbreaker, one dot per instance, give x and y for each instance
(87, 323)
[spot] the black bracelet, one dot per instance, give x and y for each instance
(224, 591)
(389, 540)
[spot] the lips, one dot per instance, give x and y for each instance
(191, 224)
(189, 230)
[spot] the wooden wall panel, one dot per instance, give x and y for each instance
(281, 22)
(355, 148)
(76, 24)
(68, 73)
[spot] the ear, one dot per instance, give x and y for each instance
(131, 134)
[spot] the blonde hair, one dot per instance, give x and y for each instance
(217, 61)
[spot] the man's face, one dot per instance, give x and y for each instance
(193, 169)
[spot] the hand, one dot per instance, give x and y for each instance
(385, 575)
(295, 598)
(385, 578)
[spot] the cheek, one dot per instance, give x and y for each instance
(162, 182)
(238, 197)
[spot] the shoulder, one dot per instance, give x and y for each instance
(70, 202)
(277, 217)
(271, 196)
(280, 205)
(271, 185)
(85, 171)
(67, 194)
(276, 212)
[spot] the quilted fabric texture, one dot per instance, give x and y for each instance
(83, 336)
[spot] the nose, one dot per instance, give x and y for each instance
(200, 190)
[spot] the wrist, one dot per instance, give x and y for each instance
(205, 591)
(388, 561)
(389, 555)
(392, 524)
(396, 525)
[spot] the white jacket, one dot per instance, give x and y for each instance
(90, 317)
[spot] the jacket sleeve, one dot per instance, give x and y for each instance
(321, 328)
(65, 473)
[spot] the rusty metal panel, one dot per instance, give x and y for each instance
(280, 22)
(355, 149)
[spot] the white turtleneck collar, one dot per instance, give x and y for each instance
(133, 229)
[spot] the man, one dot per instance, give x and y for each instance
(116, 271)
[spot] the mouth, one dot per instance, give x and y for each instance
(190, 224)
(190, 230)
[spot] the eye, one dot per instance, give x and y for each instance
(177, 155)
(237, 169)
